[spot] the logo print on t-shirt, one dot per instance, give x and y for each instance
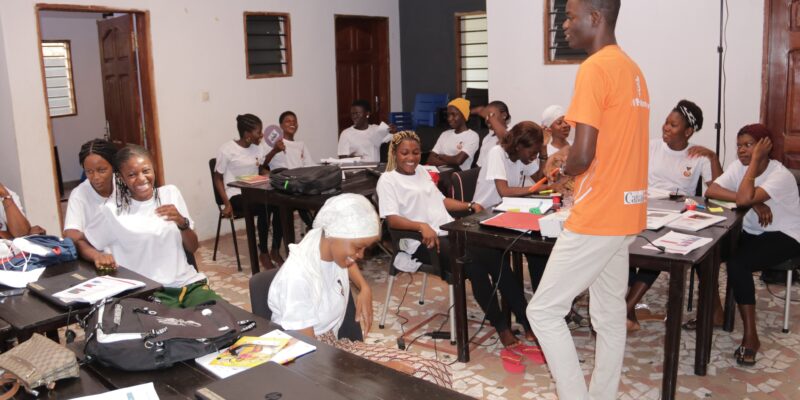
(460, 146)
(688, 172)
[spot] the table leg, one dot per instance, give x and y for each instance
(705, 314)
(457, 265)
(730, 304)
(250, 225)
(672, 337)
(287, 225)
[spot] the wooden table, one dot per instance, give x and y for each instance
(357, 181)
(29, 313)
(344, 373)
(467, 232)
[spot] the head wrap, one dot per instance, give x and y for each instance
(348, 216)
(461, 104)
(551, 114)
(691, 113)
(757, 131)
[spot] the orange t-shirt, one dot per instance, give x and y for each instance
(611, 96)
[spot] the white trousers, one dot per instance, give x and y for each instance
(578, 262)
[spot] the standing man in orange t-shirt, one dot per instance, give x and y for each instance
(610, 111)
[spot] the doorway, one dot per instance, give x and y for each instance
(102, 87)
(781, 87)
(362, 66)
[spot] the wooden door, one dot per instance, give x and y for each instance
(362, 66)
(120, 83)
(780, 106)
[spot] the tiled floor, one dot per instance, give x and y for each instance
(776, 375)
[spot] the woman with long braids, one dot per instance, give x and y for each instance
(245, 156)
(84, 208)
(148, 230)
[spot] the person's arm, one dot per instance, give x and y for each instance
(88, 252)
(433, 159)
(309, 332)
(16, 222)
(713, 159)
(219, 186)
(279, 147)
(188, 235)
(452, 161)
(429, 237)
(582, 151)
(716, 191)
(507, 191)
(748, 193)
(363, 300)
(453, 205)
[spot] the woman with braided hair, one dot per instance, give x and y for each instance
(148, 230)
(84, 208)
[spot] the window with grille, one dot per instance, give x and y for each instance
(58, 78)
(472, 49)
(268, 45)
(556, 47)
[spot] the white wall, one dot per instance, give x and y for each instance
(9, 162)
(70, 132)
(673, 41)
(197, 46)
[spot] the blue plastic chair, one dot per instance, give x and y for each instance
(426, 108)
(402, 120)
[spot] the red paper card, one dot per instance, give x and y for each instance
(520, 221)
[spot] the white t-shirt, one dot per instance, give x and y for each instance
(366, 143)
(3, 220)
(291, 297)
(784, 201)
(489, 141)
(451, 143)
(234, 160)
(85, 207)
(670, 169)
(500, 166)
(296, 155)
(414, 197)
(145, 243)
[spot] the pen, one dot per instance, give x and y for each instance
(536, 186)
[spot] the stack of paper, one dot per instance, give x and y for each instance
(694, 221)
(340, 161)
(96, 289)
(292, 349)
(656, 219)
(144, 391)
(252, 179)
(678, 243)
(522, 204)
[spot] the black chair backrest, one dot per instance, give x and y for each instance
(212, 164)
(464, 183)
(259, 289)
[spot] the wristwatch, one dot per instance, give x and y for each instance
(185, 225)
(6, 197)
(469, 207)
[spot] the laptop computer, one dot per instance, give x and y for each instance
(266, 381)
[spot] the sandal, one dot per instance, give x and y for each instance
(745, 356)
(512, 362)
(691, 325)
(533, 353)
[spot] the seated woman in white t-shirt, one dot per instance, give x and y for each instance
(148, 230)
(457, 146)
(13, 222)
(497, 117)
(771, 227)
(362, 139)
(674, 164)
(556, 130)
(409, 200)
(245, 156)
(311, 291)
(86, 201)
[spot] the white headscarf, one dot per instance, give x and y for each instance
(346, 216)
(550, 114)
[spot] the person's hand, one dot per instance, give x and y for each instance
(105, 261)
(761, 150)
(364, 308)
(494, 121)
(169, 213)
(764, 214)
(227, 210)
(392, 129)
(429, 237)
(700, 151)
(279, 146)
(3, 190)
(476, 208)
(37, 230)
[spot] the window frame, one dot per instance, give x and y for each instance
(549, 56)
(70, 77)
(457, 24)
(287, 33)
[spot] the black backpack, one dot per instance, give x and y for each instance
(322, 179)
(138, 335)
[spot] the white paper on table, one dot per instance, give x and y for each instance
(657, 218)
(678, 243)
(339, 161)
(20, 279)
(522, 204)
(695, 221)
(97, 289)
(145, 391)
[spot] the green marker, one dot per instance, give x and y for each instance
(286, 184)
(535, 210)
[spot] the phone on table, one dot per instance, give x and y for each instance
(12, 292)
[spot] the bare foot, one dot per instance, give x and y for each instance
(632, 326)
(507, 338)
(529, 336)
(275, 255)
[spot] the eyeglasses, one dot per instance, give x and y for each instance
(745, 145)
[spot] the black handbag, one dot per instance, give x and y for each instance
(138, 335)
(322, 179)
